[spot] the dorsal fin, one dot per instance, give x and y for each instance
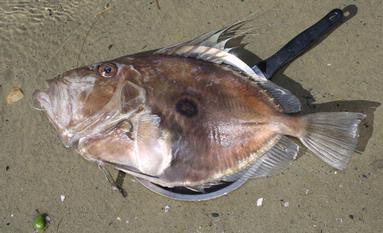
(213, 47)
(215, 39)
(289, 102)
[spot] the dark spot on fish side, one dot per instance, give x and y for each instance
(7, 168)
(215, 215)
(187, 107)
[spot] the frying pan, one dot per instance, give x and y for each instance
(266, 68)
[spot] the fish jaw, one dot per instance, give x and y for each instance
(55, 101)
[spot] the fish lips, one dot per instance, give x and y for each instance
(58, 113)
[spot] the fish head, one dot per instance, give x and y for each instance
(89, 101)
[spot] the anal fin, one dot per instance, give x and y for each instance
(275, 160)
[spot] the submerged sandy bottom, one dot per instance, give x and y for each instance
(344, 73)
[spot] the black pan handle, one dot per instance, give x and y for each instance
(302, 42)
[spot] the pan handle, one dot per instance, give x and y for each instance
(302, 42)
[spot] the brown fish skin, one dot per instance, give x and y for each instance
(233, 125)
(181, 121)
(240, 121)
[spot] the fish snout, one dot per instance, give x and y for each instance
(54, 102)
(42, 99)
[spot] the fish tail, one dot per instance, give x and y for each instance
(332, 136)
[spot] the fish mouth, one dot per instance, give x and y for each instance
(55, 103)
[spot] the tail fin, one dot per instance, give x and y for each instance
(332, 136)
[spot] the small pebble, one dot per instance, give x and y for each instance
(286, 204)
(166, 208)
(62, 198)
(260, 201)
(118, 219)
(16, 94)
(215, 215)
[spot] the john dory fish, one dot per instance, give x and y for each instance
(191, 115)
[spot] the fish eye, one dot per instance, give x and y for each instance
(107, 70)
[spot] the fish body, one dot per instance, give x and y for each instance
(191, 115)
(205, 116)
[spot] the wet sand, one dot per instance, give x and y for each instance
(343, 73)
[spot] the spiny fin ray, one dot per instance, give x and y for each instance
(213, 47)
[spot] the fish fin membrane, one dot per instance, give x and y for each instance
(202, 188)
(289, 102)
(133, 171)
(273, 162)
(214, 47)
(333, 137)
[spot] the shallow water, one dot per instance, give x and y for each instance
(40, 39)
